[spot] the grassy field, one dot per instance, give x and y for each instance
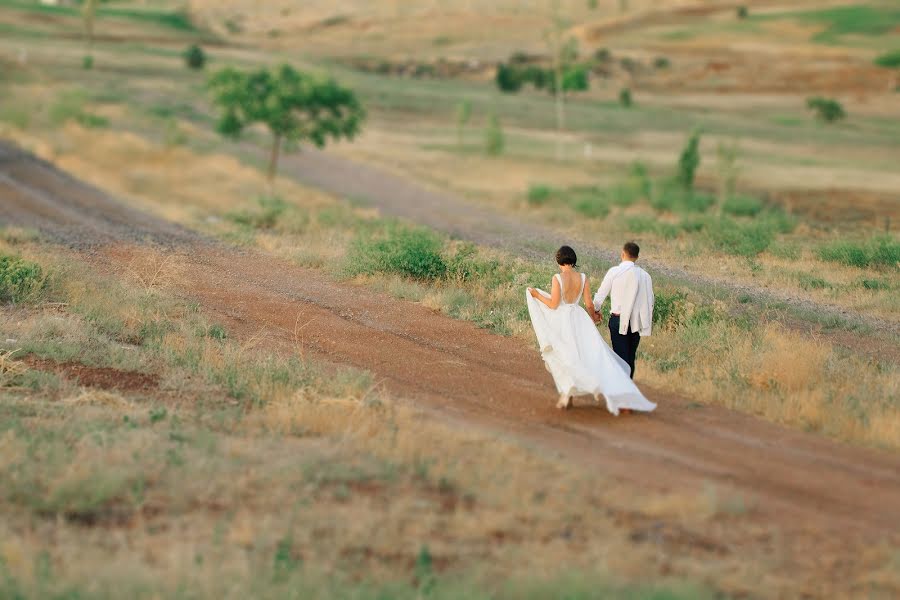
(162, 477)
(153, 486)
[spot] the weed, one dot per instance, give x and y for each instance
(270, 209)
(539, 194)
(20, 280)
(742, 206)
(882, 251)
(412, 252)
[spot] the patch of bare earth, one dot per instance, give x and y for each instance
(104, 378)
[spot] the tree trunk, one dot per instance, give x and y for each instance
(558, 94)
(273, 158)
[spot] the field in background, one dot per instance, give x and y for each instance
(816, 201)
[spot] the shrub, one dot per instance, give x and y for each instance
(890, 60)
(539, 194)
(875, 284)
(494, 141)
(591, 205)
(464, 264)
(411, 252)
(742, 12)
(625, 98)
(669, 309)
(739, 239)
(20, 280)
(87, 62)
(743, 206)
(812, 282)
(644, 224)
(661, 62)
(672, 197)
(508, 78)
(689, 161)
(879, 252)
(271, 208)
(602, 55)
(826, 109)
(195, 57)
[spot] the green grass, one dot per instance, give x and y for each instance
(179, 21)
(880, 251)
(840, 21)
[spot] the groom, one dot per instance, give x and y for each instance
(631, 304)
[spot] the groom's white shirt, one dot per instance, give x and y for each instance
(631, 296)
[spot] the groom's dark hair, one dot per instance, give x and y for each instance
(631, 249)
(566, 256)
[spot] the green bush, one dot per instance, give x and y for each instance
(878, 252)
(891, 60)
(826, 109)
(743, 206)
(508, 78)
(625, 98)
(464, 264)
(644, 224)
(669, 309)
(539, 194)
(740, 239)
(673, 197)
(195, 57)
(875, 284)
(271, 208)
(812, 282)
(661, 62)
(20, 280)
(411, 252)
(742, 12)
(594, 206)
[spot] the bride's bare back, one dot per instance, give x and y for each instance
(571, 289)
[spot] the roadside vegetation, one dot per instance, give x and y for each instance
(128, 418)
(152, 487)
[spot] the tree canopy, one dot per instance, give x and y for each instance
(296, 107)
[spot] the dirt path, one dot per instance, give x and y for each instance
(825, 497)
(396, 196)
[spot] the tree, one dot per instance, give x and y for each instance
(625, 97)
(689, 161)
(88, 14)
(296, 107)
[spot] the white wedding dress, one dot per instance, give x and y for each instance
(578, 357)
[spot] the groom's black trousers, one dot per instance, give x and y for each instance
(624, 345)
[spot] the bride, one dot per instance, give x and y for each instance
(580, 360)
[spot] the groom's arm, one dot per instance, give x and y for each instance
(603, 291)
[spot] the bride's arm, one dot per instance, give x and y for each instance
(555, 294)
(589, 303)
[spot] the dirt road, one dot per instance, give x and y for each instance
(825, 497)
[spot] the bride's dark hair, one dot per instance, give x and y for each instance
(566, 256)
